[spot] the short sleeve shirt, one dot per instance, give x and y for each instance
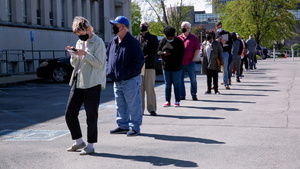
(191, 44)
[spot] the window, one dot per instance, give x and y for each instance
(206, 18)
(92, 12)
(83, 7)
(38, 12)
(51, 12)
(8, 10)
(24, 11)
(74, 8)
(63, 13)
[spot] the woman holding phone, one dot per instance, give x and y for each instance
(88, 78)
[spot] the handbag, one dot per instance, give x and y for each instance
(218, 62)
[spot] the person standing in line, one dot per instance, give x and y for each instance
(171, 49)
(226, 42)
(149, 44)
(88, 78)
(192, 49)
(237, 50)
(125, 60)
(251, 46)
(212, 50)
(243, 55)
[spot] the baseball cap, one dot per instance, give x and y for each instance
(121, 20)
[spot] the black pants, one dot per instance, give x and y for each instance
(212, 74)
(90, 98)
(244, 61)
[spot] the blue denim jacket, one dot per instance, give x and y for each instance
(124, 60)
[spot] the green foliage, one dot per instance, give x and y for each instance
(136, 17)
(176, 13)
(266, 20)
(296, 46)
(156, 28)
(179, 14)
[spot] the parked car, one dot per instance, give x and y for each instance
(259, 52)
(59, 69)
(277, 54)
(266, 52)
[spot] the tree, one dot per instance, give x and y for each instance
(156, 28)
(136, 17)
(266, 20)
(172, 16)
(200, 32)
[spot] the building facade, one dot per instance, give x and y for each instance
(47, 25)
(48, 22)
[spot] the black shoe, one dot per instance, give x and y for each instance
(153, 113)
(238, 80)
(182, 98)
(119, 131)
(132, 133)
(207, 92)
(217, 92)
(195, 98)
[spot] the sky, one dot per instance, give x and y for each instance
(199, 5)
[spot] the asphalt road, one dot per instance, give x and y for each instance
(255, 125)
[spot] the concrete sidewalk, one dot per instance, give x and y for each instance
(16, 79)
(255, 125)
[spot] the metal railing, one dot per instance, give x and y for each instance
(15, 61)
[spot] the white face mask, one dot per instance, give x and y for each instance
(219, 30)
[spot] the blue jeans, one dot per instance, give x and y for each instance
(171, 77)
(229, 66)
(129, 103)
(226, 68)
(190, 69)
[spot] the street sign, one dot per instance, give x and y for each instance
(31, 36)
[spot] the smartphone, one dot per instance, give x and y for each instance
(72, 50)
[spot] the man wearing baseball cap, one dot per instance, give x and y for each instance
(125, 60)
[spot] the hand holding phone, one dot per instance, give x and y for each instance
(72, 49)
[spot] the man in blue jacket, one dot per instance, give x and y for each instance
(125, 60)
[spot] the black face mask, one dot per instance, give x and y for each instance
(143, 28)
(115, 29)
(183, 30)
(84, 37)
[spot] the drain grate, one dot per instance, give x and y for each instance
(31, 135)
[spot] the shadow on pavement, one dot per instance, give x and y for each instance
(227, 101)
(212, 108)
(259, 90)
(156, 161)
(181, 138)
(231, 94)
(191, 117)
(255, 85)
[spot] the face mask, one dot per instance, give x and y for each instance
(170, 40)
(115, 29)
(183, 30)
(143, 28)
(84, 37)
